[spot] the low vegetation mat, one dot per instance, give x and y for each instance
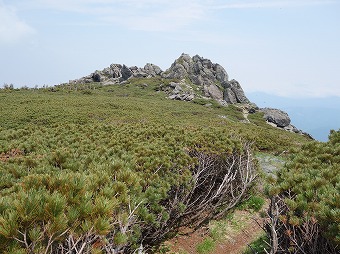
(112, 169)
(305, 207)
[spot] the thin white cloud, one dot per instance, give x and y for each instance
(144, 15)
(12, 28)
(218, 5)
(157, 15)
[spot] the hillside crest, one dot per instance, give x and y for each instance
(210, 79)
(192, 78)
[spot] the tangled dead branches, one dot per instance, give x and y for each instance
(287, 236)
(219, 182)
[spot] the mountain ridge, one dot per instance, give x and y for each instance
(212, 78)
(193, 78)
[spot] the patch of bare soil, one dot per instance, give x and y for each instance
(239, 231)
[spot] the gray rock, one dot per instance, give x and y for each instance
(116, 73)
(180, 91)
(252, 111)
(307, 135)
(234, 93)
(200, 71)
(291, 128)
(143, 85)
(152, 70)
(210, 79)
(173, 85)
(138, 72)
(229, 96)
(221, 74)
(177, 72)
(125, 73)
(276, 116)
(173, 96)
(204, 73)
(190, 97)
(215, 92)
(96, 77)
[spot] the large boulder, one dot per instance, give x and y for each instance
(220, 73)
(198, 70)
(152, 70)
(97, 77)
(125, 73)
(214, 92)
(276, 116)
(233, 92)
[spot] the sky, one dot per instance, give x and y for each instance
(286, 48)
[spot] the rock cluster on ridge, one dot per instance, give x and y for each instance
(117, 73)
(280, 119)
(192, 77)
(210, 78)
(276, 116)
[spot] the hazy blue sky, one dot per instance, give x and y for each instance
(287, 48)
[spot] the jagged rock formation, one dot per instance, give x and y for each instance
(210, 79)
(118, 73)
(233, 93)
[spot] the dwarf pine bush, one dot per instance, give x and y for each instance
(124, 186)
(120, 169)
(305, 207)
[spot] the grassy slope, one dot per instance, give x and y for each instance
(132, 104)
(126, 130)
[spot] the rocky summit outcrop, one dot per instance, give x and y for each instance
(198, 78)
(191, 78)
(211, 77)
(117, 73)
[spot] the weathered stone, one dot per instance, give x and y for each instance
(252, 111)
(197, 70)
(215, 92)
(229, 95)
(96, 77)
(173, 85)
(139, 73)
(291, 128)
(125, 72)
(152, 70)
(190, 97)
(173, 97)
(221, 74)
(116, 73)
(223, 103)
(276, 116)
(177, 72)
(234, 92)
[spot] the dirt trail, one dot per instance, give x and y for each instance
(241, 231)
(245, 113)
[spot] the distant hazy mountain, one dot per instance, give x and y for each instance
(316, 116)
